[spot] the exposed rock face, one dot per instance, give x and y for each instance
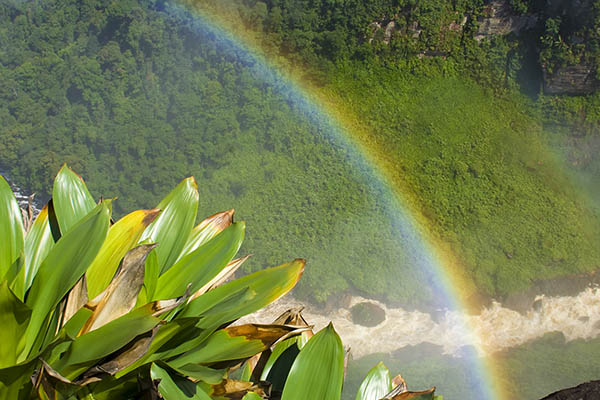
(574, 79)
(501, 21)
(367, 314)
(585, 391)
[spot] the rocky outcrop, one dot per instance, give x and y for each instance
(500, 20)
(585, 391)
(573, 79)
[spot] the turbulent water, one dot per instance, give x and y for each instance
(496, 328)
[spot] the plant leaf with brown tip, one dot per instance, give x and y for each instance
(206, 230)
(234, 343)
(173, 226)
(203, 264)
(221, 277)
(423, 395)
(122, 237)
(120, 296)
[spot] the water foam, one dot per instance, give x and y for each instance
(495, 329)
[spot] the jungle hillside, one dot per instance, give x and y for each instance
(480, 123)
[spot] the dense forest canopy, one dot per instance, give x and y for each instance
(135, 98)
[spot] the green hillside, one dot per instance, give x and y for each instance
(135, 99)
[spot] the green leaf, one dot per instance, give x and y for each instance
(71, 199)
(279, 363)
(38, 244)
(122, 236)
(206, 230)
(376, 384)
(151, 274)
(173, 226)
(176, 388)
(105, 340)
(11, 228)
(252, 396)
(14, 316)
(63, 267)
(203, 264)
(265, 287)
(233, 343)
(318, 371)
(202, 373)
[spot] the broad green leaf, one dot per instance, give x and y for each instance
(151, 274)
(15, 382)
(14, 316)
(176, 388)
(277, 352)
(71, 199)
(252, 396)
(233, 343)
(122, 237)
(38, 244)
(63, 267)
(206, 230)
(202, 373)
(105, 340)
(265, 287)
(11, 228)
(376, 384)
(318, 371)
(203, 264)
(173, 226)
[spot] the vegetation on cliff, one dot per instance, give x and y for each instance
(134, 99)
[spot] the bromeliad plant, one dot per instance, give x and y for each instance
(96, 309)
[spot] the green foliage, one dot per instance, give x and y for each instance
(79, 347)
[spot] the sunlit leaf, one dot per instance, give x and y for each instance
(252, 396)
(206, 230)
(63, 267)
(234, 343)
(318, 371)
(203, 264)
(11, 228)
(38, 244)
(265, 286)
(173, 226)
(122, 236)
(71, 199)
(376, 384)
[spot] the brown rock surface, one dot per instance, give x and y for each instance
(585, 391)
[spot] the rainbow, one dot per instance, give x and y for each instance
(345, 128)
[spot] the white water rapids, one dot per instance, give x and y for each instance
(495, 328)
